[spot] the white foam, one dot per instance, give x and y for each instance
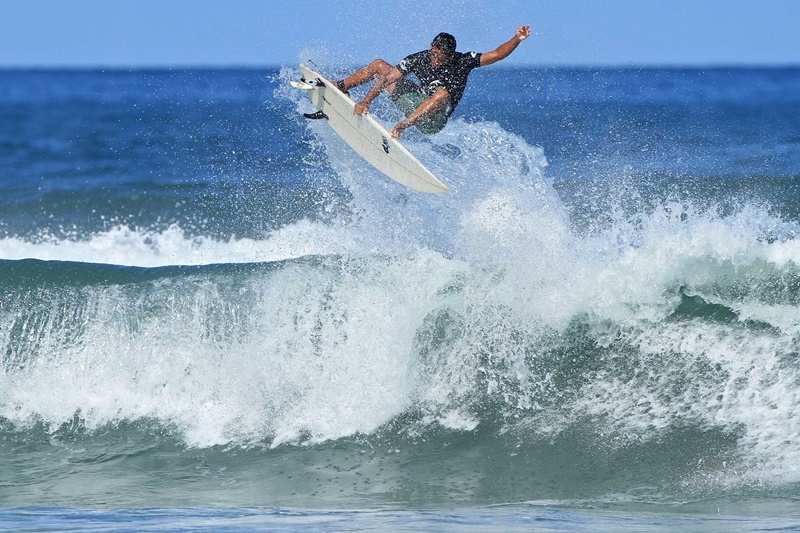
(323, 350)
(123, 245)
(310, 352)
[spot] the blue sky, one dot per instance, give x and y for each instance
(250, 32)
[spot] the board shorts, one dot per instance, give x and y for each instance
(407, 97)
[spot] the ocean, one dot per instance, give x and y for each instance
(214, 316)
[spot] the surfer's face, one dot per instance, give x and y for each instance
(438, 57)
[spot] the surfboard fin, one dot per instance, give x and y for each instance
(306, 85)
(316, 116)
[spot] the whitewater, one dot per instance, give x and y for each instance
(576, 331)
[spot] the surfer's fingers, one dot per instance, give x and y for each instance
(360, 108)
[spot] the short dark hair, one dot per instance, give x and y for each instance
(445, 42)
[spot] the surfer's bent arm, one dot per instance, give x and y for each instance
(438, 101)
(392, 76)
(505, 49)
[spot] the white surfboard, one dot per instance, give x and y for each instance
(366, 136)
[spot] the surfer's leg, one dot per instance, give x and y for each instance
(376, 70)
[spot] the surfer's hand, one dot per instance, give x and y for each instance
(361, 108)
(400, 127)
(523, 32)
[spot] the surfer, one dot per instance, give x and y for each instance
(442, 72)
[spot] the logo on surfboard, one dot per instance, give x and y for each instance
(385, 144)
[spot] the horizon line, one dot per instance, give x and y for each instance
(274, 66)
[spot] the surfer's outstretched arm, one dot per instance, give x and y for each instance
(505, 49)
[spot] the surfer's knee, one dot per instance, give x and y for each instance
(380, 67)
(377, 69)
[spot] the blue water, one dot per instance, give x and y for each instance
(214, 316)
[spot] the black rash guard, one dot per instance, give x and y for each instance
(451, 75)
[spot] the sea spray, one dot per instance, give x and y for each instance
(531, 337)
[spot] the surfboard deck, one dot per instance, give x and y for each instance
(365, 135)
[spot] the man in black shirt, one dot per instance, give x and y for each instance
(442, 73)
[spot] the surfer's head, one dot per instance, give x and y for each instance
(445, 42)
